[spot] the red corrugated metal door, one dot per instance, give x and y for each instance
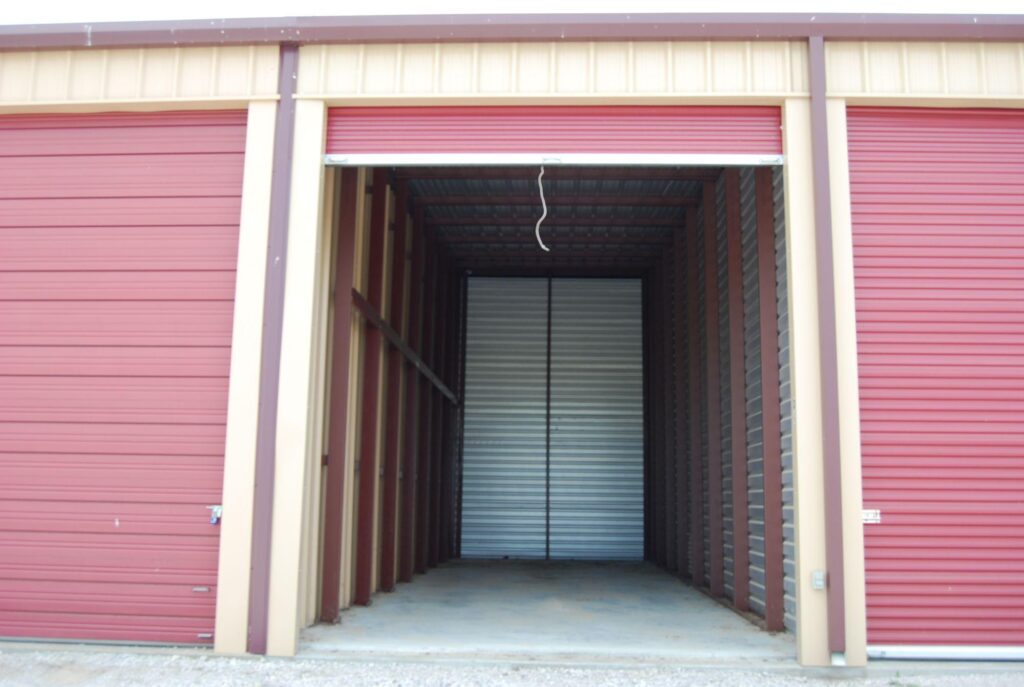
(588, 130)
(938, 227)
(118, 242)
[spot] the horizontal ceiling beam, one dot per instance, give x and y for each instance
(558, 251)
(561, 173)
(609, 200)
(437, 222)
(529, 238)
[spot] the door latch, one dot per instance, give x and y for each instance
(216, 513)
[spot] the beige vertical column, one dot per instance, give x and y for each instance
(243, 387)
(296, 443)
(805, 362)
(849, 394)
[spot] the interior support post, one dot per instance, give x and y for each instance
(392, 418)
(713, 397)
(737, 393)
(366, 468)
(338, 421)
(771, 412)
(679, 381)
(696, 467)
(411, 412)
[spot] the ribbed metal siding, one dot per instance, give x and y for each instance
(938, 229)
(752, 354)
(119, 239)
(596, 419)
(786, 402)
(504, 455)
(702, 348)
(723, 382)
(555, 129)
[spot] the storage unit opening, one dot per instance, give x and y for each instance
(610, 414)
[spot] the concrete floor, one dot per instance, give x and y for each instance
(548, 610)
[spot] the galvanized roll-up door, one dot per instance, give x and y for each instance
(597, 488)
(504, 460)
(576, 493)
(938, 227)
(118, 237)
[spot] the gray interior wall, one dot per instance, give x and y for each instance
(586, 501)
(724, 382)
(786, 399)
(752, 355)
(597, 489)
(504, 461)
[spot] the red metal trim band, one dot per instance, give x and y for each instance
(513, 27)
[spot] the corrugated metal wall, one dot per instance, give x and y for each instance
(702, 338)
(723, 382)
(786, 401)
(596, 419)
(504, 495)
(591, 496)
(752, 349)
(117, 282)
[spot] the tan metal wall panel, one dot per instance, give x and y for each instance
(580, 70)
(137, 76)
(925, 70)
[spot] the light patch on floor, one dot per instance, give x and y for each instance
(602, 611)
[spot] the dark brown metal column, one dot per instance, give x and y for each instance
(829, 351)
(437, 418)
(771, 410)
(426, 411)
(714, 403)
(367, 466)
(463, 322)
(270, 364)
(680, 329)
(649, 490)
(665, 381)
(411, 414)
(448, 420)
(737, 394)
(657, 425)
(392, 418)
(341, 347)
(696, 469)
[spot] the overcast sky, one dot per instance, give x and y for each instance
(78, 11)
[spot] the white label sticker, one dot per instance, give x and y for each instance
(872, 516)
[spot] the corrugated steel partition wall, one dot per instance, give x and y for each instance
(742, 215)
(117, 279)
(504, 463)
(576, 492)
(596, 419)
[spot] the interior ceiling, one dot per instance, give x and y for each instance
(622, 216)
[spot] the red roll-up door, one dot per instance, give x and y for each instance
(547, 129)
(938, 228)
(118, 243)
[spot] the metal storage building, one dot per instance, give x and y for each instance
(276, 333)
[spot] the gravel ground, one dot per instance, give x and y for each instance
(106, 668)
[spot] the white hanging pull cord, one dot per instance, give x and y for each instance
(544, 203)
